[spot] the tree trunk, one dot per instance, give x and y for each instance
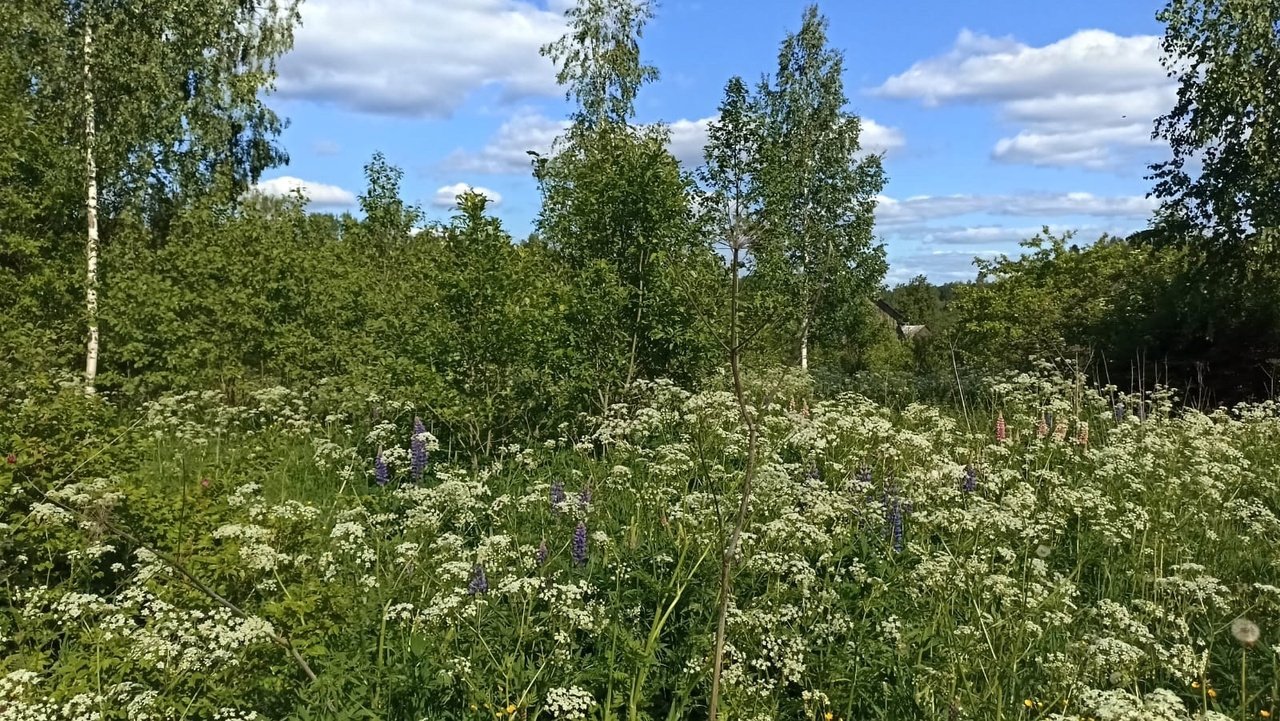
(804, 343)
(91, 213)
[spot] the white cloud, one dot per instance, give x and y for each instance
(420, 58)
(1087, 100)
(688, 138)
(319, 194)
(877, 138)
(326, 147)
(940, 266)
(893, 212)
(1095, 148)
(507, 151)
(447, 197)
(980, 235)
(947, 253)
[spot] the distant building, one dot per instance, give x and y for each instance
(905, 330)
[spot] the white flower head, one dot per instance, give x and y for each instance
(1245, 631)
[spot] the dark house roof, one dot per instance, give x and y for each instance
(905, 329)
(890, 311)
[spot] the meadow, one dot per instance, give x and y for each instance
(1052, 552)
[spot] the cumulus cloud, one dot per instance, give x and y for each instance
(319, 194)
(945, 254)
(419, 58)
(447, 197)
(940, 266)
(877, 138)
(893, 212)
(1087, 100)
(979, 234)
(507, 151)
(688, 138)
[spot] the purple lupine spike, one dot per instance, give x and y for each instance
(557, 495)
(970, 480)
(541, 554)
(579, 546)
(418, 450)
(896, 525)
(479, 584)
(380, 473)
(584, 498)
(1119, 411)
(893, 509)
(1048, 418)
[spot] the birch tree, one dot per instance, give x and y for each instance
(818, 189)
(1220, 192)
(161, 100)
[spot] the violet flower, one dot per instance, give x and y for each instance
(380, 473)
(579, 546)
(418, 450)
(893, 509)
(541, 554)
(479, 584)
(970, 480)
(557, 495)
(896, 525)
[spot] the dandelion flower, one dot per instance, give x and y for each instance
(1245, 631)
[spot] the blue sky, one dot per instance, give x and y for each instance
(996, 117)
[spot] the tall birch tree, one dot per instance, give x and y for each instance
(815, 248)
(160, 99)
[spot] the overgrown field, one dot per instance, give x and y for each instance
(296, 557)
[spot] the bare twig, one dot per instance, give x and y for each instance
(744, 504)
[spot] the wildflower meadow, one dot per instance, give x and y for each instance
(1052, 552)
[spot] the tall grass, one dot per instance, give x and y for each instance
(895, 564)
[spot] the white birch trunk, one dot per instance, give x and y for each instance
(91, 213)
(804, 343)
